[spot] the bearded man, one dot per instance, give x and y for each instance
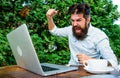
(85, 41)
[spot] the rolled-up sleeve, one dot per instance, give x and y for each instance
(60, 31)
(53, 30)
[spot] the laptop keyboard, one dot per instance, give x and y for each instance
(46, 68)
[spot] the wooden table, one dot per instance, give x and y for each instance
(14, 71)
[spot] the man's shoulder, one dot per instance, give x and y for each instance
(97, 34)
(98, 31)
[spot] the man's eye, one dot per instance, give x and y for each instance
(72, 20)
(79, 20)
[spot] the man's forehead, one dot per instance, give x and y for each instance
(77, 16)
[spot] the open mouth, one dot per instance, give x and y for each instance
(78, 29)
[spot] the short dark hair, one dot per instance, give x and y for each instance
(80, 8)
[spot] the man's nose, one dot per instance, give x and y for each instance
(75, 23)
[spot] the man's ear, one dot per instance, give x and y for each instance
(88, 20)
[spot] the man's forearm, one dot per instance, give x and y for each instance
(50, 23)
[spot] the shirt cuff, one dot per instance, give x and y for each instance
(53, 30)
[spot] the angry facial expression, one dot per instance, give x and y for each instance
(80, 25)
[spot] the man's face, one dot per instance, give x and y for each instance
(80, 26)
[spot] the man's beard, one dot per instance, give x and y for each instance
(82, 35)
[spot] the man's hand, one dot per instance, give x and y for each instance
(83, 57)
(51, 13)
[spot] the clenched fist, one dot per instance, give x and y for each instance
(83, 57)
(51, 12)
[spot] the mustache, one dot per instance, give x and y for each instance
(77, 27)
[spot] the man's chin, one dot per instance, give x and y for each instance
(78, 33)
(80, 36)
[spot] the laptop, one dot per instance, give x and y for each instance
(26, 56)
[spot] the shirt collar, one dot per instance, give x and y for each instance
(90, 29)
